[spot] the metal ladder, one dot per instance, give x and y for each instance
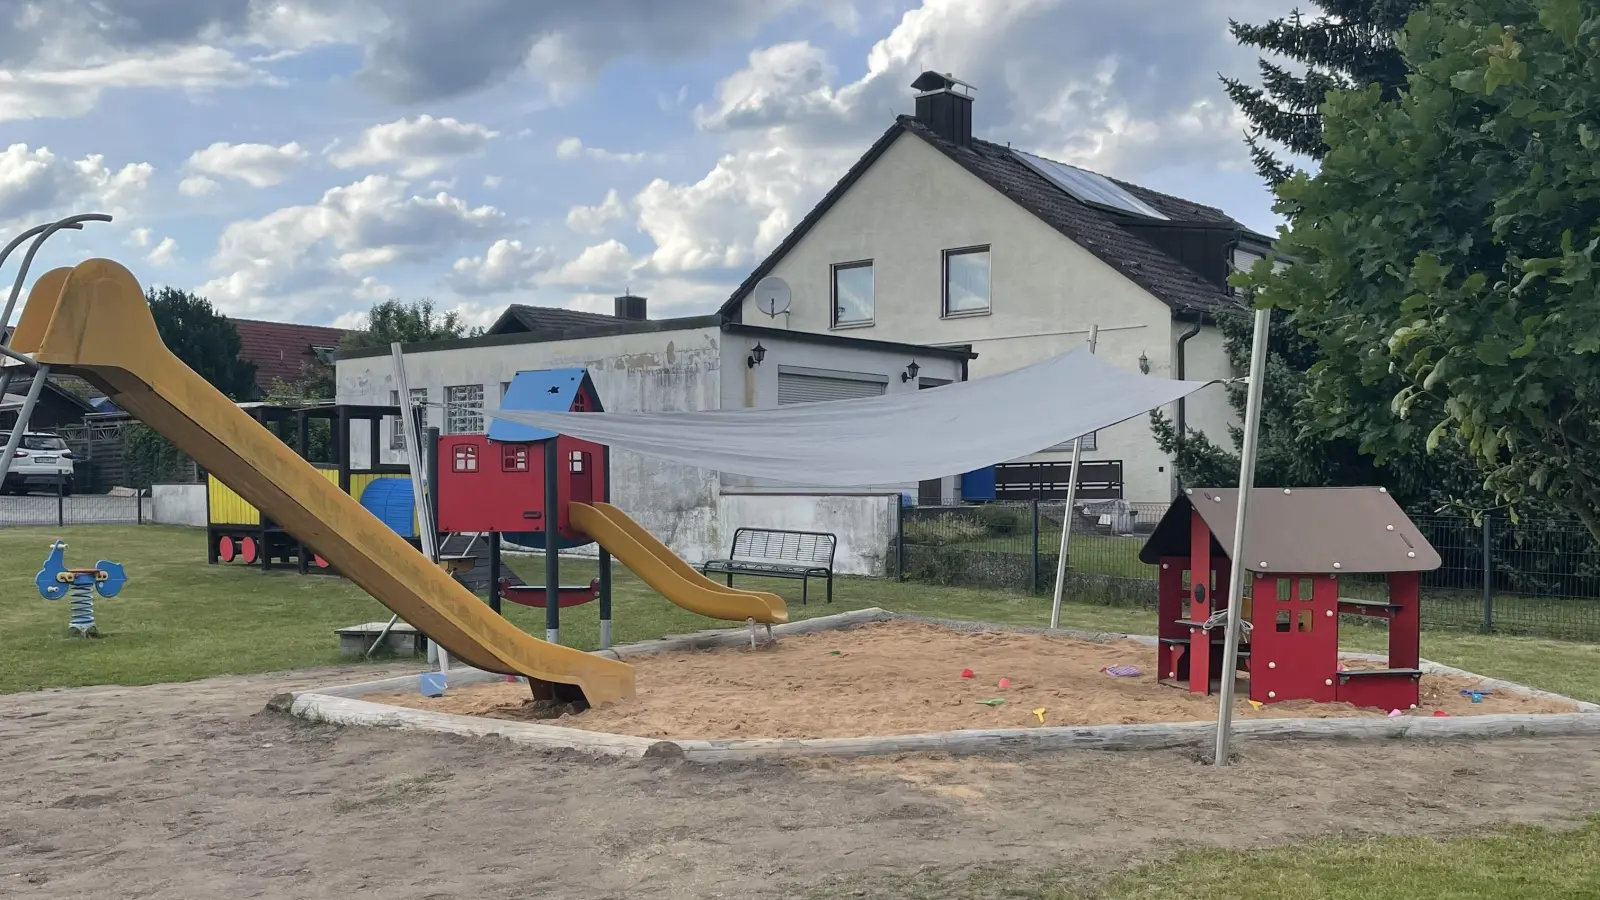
(41, 373)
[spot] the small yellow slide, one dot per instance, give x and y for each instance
(92, 320)
(667, 573)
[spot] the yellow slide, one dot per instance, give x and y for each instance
(93, 321)
(667, 573)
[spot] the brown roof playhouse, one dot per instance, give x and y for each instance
(1298, 543)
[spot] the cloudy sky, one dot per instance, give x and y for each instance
(299, 159)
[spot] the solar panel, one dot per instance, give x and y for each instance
(1088, 187)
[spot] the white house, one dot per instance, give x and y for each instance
(644, 365)
(936, 237)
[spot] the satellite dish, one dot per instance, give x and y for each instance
(772, 295)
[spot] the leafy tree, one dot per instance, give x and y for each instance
(397, 320)
(204, 339)
(1349, 46)
(1446, 251)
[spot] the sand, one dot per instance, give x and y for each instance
(904, 678)
(189, 790)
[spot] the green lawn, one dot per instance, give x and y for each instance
(1507, 864)
(181, 619)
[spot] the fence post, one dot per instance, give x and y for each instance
(1488, 578)
(61, 502)
(899, 537)
(138, 500)
(1033, 578)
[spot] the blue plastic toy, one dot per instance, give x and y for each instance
(55, 581)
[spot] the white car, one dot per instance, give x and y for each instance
(43, 461)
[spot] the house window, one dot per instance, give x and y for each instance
(504, 386)
(463, 409)
(465, 458)
(966, 281)
(325, 354)
(852, 293)
(397, 429)
(514, 458)
(1088, 443)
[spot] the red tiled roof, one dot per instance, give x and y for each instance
(281, 349)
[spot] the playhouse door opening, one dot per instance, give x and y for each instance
(581, 468)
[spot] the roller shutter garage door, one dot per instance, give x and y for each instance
(794, 387)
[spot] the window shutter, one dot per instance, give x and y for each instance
(796, 388)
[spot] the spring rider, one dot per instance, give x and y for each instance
(55, 581)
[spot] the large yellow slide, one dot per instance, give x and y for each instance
(92, 320)
(667, 573)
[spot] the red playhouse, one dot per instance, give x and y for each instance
(517, 482)
(1297, 545)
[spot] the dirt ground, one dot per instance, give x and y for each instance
(182, 791)
(905, 677)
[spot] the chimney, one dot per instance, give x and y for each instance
(630, 307)
(944, 104)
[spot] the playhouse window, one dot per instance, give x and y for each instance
(514, 458)
(466, 458)
(580, 403)
(577, 461)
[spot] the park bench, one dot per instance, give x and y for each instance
(775, 553)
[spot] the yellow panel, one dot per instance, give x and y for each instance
(119, 351)
(227, 507)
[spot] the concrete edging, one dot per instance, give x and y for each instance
(341, 705)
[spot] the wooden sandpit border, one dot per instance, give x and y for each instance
(342, 705)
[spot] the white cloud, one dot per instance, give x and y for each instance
(34, 182)
(61, 89)
(197, 186)
(573, 148)
(163, 254)
(594, 219)
(491, 181)
(333, 244)
(415, 147)
(601, 265)
(506, 266)
(258, 165)
(139, 237)
(1051, 78)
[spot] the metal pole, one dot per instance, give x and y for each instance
(494, 570)
(40, 376)
(1488, 578)
(1238, 573)
(899, 537)
(604, 561)
(74, 223)
(1066, 520)
(1033, 572)
(552, 536)
(419, 491)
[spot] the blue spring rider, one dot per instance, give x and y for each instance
(55, 581)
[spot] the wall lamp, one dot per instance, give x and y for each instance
(757, 354)
(910, 372)
(1144, 363)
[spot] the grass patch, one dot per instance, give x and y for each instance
(1500, 865)
(180, 619)
(395, 792)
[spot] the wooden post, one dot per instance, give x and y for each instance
(1405, 626)
(1199, 604)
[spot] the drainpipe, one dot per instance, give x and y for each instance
(1177, 368)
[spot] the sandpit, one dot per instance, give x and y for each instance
(898, 677)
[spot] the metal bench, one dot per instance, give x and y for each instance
(774, 553)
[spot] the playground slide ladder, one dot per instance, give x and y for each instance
(118, 350)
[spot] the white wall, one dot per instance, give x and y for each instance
(863, 524)
(1045, 290)
(178, 504)
(651, 372)
(1205, 358)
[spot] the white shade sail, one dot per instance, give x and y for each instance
(896, 438)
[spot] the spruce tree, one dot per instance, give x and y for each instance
(1350, 45)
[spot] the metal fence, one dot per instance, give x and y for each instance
(1528, 578)
(60, 510)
